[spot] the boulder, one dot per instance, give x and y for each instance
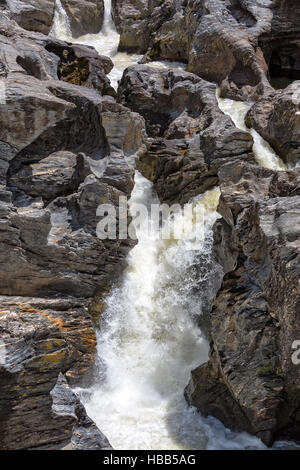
(85, 16)
(189, 136)
(276, 117)
(33, 15)
(238, 43)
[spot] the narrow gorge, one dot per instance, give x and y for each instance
(146, 342)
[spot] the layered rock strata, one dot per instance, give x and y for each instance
(66, 147)
(251, 382)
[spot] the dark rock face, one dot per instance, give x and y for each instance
(85, 434)
(137, 20)
(250, 381)
(51, 190)
(66, 147)
(33, 15)
(190, 138)
(234, 43)
(37, 408)
(276, 117)
(85, 16)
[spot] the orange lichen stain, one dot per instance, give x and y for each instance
(88, 338)
(4, 312)
(191, 132)
(54, 358)
(55, 321)
(183, 152)
(51, 344)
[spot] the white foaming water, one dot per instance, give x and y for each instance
(263, 152)
(61, 26)
(149, 340)
(106, 42)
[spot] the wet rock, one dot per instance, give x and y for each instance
(33, 15)
(34, 395)
(190, 137)
(236, 43)
(66, 147)
(85, 16)
(85, 434)
(250, 381)
(276, 117)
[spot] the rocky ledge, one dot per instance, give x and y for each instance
(68, 143)
(235, 43)
(189, 137)
(250, 382)
(85, 16)
(66, 147)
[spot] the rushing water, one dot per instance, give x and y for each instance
(106, 42)
(149, 339)
(263, 152)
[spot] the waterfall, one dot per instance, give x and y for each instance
(149, 338)
(106, 42)
(263, 152)
(61, 26)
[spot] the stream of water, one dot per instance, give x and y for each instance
(149, 339)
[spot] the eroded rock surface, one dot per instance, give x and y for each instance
(250, 382)
(85, 16)
(66, 147)
(33, 15)
(190, 137)
(235, 43)
(276, 117)
(37, 408)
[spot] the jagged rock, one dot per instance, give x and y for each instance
(85, 434)
(235, 43)
(76, 328)
(276, 117)
(37, 408)
(44, 58)
(33, 15)
(52, 193)
(57, 175)
(66, 147)
(136, 20)
(85, 16)
(190, 136)
(250, 381)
